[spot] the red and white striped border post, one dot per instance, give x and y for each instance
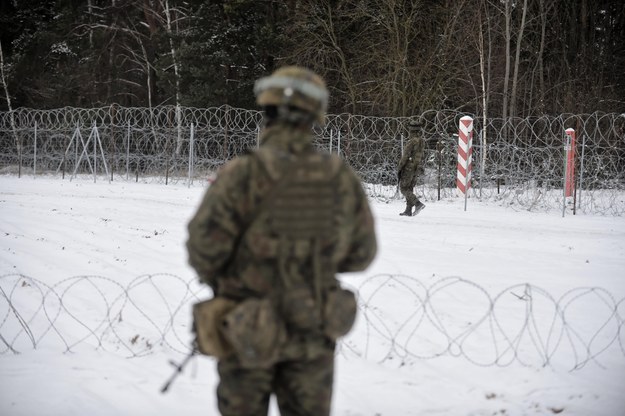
(465, 153)
(570, 163)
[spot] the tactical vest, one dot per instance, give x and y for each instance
(284, 252)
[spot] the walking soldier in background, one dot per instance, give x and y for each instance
(409, 168)
(269, 236)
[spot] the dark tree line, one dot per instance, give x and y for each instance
(500, 58)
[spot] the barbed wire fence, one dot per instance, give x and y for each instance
(400, 320)
(516, 162)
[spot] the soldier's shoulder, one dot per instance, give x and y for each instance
(335, 164)
(233, 169)
(237, 163)
(343, 171)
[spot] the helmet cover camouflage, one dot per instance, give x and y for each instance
(294, 86)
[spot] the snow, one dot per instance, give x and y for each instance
(441, 305)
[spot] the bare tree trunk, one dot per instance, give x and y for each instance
(328, 26)
(506, 79)
(490, 54)
(484, 96)
(5, 85)
(90, 11)
(153, 29)
(176, 77)
(517, 63)
(540, 59)
(148, 74)
(400, 28)
(111, 62)
(3, 79)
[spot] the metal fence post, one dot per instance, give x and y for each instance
(581, 172)
(128, 152)
(338, 144)
(191, 137)
(35, 155)
(95, 152)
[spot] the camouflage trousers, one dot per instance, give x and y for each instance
(303, 387)
(407, 182)
(408, 193)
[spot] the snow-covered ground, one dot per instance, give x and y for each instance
(459, 312)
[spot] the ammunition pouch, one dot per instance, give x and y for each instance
(255, 332)
(301, 312)
(339, 312)
(207, 322)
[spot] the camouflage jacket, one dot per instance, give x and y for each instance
(282, 215)
(409, 163)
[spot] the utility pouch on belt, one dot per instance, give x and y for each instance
(207, 323)
(255, 332)
(339, 312)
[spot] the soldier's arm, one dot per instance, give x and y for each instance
(216, 226)
(409, 152)
(363, 240)
(421, 148)
(402, 161)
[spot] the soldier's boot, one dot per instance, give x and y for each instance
(408, 210)
(420, 205)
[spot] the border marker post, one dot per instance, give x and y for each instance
(465, 154)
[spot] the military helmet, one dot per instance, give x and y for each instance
(415, 124)
(294, 86)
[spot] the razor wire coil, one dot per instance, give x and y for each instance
(517, 162)
(450, 317)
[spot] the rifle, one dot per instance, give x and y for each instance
(178, 370)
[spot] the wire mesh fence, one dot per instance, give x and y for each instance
(400, 320)
(516, 161)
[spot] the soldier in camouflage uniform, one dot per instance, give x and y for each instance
(283, 220)
(408, 169)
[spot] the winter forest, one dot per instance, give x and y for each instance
(391, 58)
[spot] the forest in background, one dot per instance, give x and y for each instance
(496, 58)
